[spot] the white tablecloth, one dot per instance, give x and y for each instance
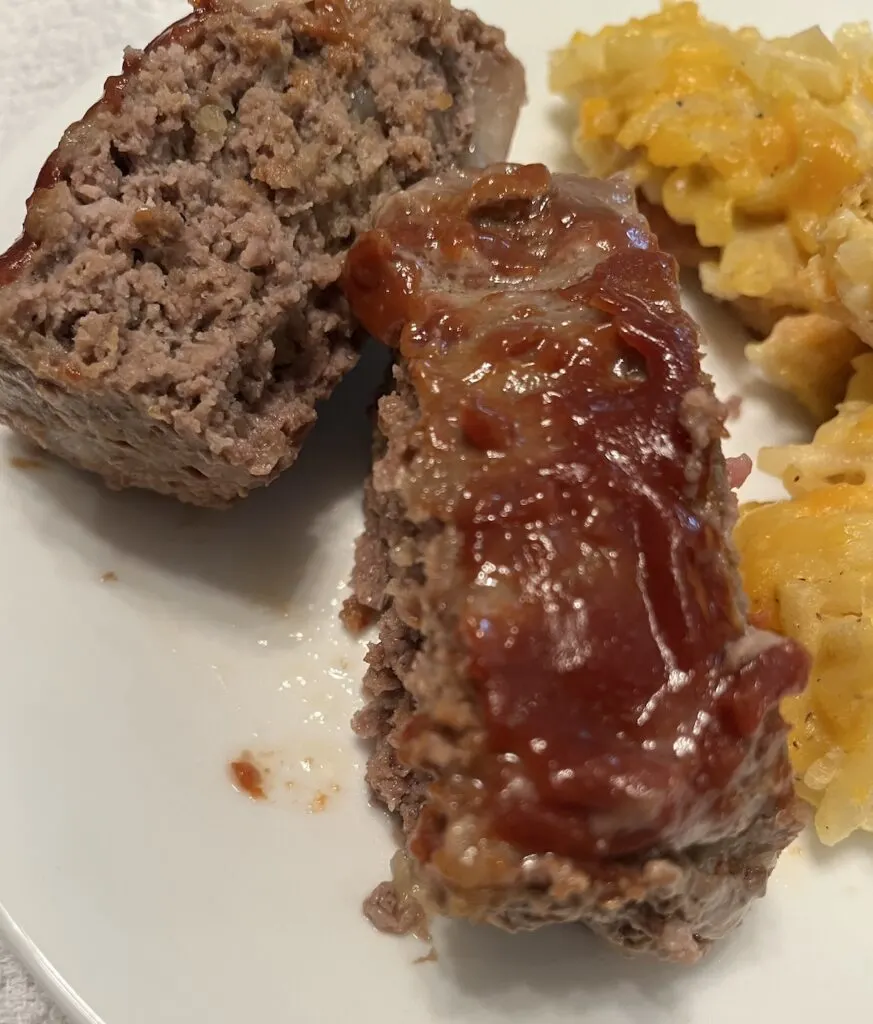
(46, 46)
(21, 1000)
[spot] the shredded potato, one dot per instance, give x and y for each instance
(763, 146)
(807, 566)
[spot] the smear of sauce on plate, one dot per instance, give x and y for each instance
(274, 775)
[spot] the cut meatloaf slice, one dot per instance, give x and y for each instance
(170, 316)
(570, 713)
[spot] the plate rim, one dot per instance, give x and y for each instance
(44, 973)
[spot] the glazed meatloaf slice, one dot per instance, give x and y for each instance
(171, 316)
(570, 713)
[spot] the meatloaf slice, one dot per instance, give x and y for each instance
(170, 316)
(570, 713)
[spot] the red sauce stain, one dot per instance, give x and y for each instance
(109, 577)
(16, 258)
(248, 778)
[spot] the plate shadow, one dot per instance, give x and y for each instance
(259, 548)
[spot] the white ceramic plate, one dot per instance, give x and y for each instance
(143, 888)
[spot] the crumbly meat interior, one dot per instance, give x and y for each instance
(180, 316)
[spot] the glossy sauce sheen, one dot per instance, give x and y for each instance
(543, 335)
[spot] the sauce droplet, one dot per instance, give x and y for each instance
(248, 778)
